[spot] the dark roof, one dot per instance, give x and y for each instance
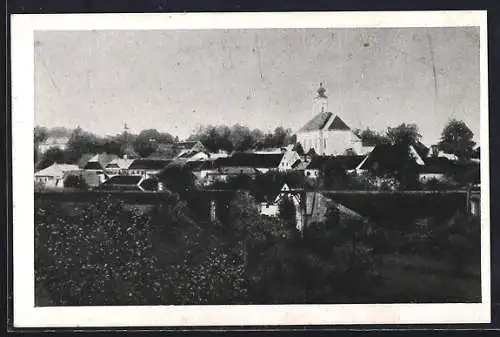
(344, 162)
(260, 160)
(438, 165)
(149, 164)
(188, 154)
(93, 165)
(421, 149)
(296, 163)
(349, 162)
(386, 157)
(338, 124)
(100, 161)
(187, 144)
(317, 122)
(113, 187)
(194, 165)
(123, 180)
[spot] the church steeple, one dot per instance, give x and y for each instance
(321, 91)
(320, 103)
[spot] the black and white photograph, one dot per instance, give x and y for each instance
(246, 169)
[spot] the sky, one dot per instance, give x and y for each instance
(178, 80)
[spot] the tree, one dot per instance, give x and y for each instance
(287, 211)
(51, 156)
(299, 149)
(333, 175)
(241, 138)
(81, 142)
(146, 142)
(456, 138)
(178, 179)
(371, 138)
(404, 134)
(75, 181)
(40, 134)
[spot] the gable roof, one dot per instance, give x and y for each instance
(149, 164)
(344, 162)
(84, 159)
(55, 170)
(123, 180)
(243, 159)
(388, 156)
(338, 124)
(120, 163)
(99, 161)
(318, 122)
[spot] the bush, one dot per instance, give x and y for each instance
(107, 255)
(75, 181)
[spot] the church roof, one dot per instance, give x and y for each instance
(338, 124)
(318, 122)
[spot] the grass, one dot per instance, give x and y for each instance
(413, 279)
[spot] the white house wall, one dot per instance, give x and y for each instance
(289, 158)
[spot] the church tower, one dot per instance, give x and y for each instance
(320, 102)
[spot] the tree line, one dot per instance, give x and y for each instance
(456, 138)
(214, 138)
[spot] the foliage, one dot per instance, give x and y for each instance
(40, 134)
(287, 211)
(147, 141)
(403, 134)
(75, 181)
(434, 184)
(81, 142)
(372, 138)
(51, 156)
(178, 179)
(299, 149)
(333, 176)
(107, 255)
(240, 138)
(456, 139)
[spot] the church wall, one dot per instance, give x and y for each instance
(338, 141)
(310, 140)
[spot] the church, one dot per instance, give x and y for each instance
(327, 133)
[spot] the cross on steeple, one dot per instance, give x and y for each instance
(321, 91)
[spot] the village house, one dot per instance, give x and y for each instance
(271, 207)
(53, 142)
(436, 169)
(327, 133)
(262, 162)
(53, 176)
(130, 184)
(349, 164)
(146, 167)
(118, 166)
(176, 150)
(98, 163)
